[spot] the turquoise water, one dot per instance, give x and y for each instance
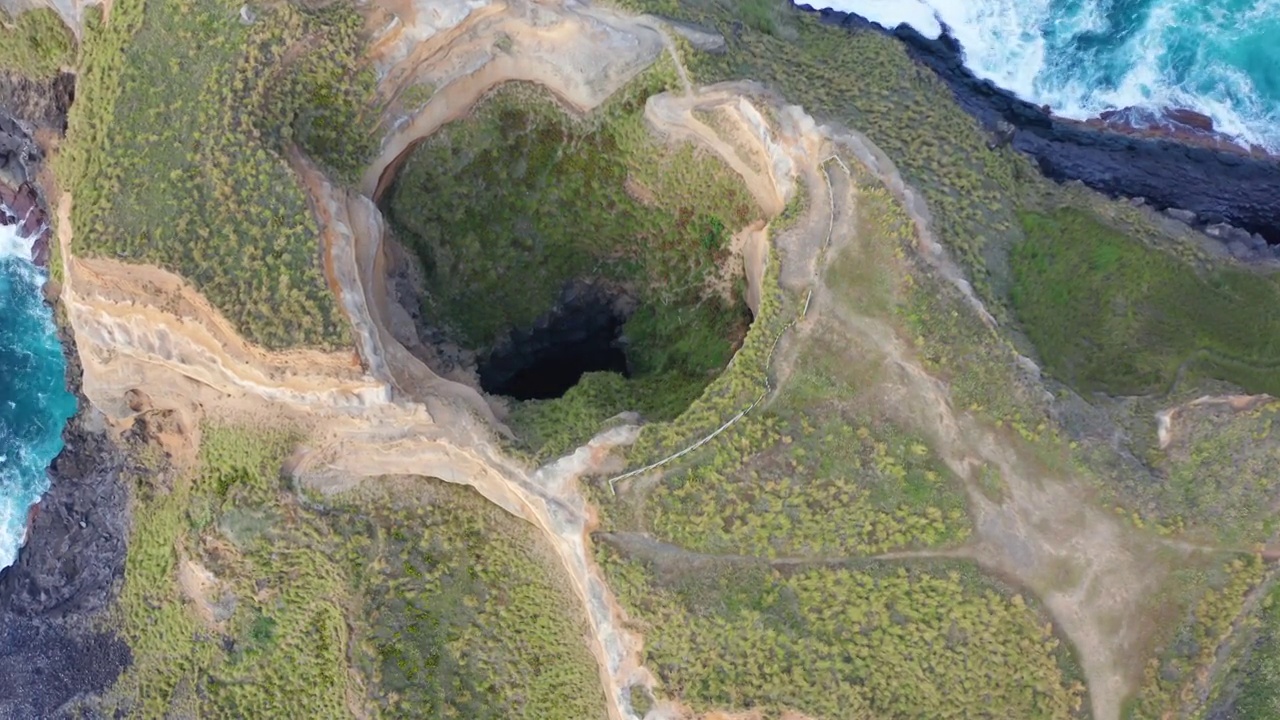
(34, 402)
(1218, 57)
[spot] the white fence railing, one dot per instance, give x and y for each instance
(817, 271)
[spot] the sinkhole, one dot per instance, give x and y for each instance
(587, 265)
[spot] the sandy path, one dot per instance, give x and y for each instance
(384, 413)
(651, 549)
(1092, 573)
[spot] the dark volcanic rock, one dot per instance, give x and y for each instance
(40, 104)
(702, 38)
(1219, 185)
(53, 657)
(47, 668)
(1190, 118)
(76, 549)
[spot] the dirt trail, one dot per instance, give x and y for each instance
(672, 115)
(582, 54)
(1093, 573)
(383, 412)
(1166, 419)
(651, 549)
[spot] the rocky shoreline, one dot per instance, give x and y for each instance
(54, 654)
(1188, 171)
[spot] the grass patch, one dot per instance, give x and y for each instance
(36, 43)
(1251, 689)
(507, 207)
(467, 613)
(431, 603)
(1109, 314)
(743, 382)
(176, 147)
(811, 476)
(839, 642)
(1218, 478)
(1177, 678)
(280, 648)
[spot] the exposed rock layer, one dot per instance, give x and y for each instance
(1219, 186)
(29, 110)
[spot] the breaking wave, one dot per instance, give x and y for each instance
(1081, 57)
(34, 402)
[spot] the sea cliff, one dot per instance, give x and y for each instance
(69, 569)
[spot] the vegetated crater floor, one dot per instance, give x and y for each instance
(389, 413)
(552, 245)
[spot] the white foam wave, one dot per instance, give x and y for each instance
(1005, 41)
(13, 528)
(17, 493)
(11, 245)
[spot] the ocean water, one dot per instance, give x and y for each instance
(1218, 57)
(34, 402)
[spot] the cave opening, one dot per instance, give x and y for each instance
(545, 361)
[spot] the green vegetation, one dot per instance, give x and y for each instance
(416, 96)
(1109, 314)
(742, 383)
(906, 642)
(815, 476)
(550, 428)
(279, 605)
(36, 43)
(1251, 690)
(468, 615)
(509, 206)
(1178, 678)
(867, 81)
(178, 145)
(242, 599)
(822, 469)
(1221, 480)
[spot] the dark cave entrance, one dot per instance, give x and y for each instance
(583, 334)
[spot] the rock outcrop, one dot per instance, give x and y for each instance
(28, 109)
(39, 104)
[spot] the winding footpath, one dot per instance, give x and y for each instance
(389, 414)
